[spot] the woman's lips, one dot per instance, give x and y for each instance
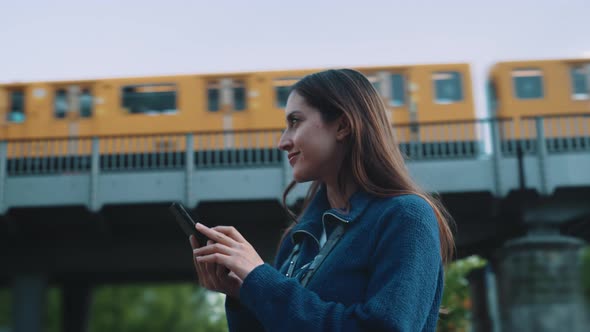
(292, 157)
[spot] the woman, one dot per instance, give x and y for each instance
(386, 271)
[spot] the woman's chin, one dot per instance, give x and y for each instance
(301, 178)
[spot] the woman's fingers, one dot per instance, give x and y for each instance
(221, 272)
(194, 243)
(215, 236)
(210, 269)
(198, 268)
(213, 248)
(217, 258)
(211, 275)
(226, 247)
(231, 232)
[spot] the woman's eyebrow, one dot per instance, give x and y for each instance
(291, 114)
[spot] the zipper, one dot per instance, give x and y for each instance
(308, 233)
(335, 216)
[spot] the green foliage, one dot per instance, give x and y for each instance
(52, 318)
(5, 307)
(187, 307)
(53, 312)
(174, 308)
(456, 301)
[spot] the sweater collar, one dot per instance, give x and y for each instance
(319, 209)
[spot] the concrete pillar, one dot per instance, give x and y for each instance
(484, 310)
(28, 306)
(539, 284)
(77, 298)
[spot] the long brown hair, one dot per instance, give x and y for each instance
(373, 157)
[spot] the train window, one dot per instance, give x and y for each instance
(579, 83)
(86, 102)
(528, 83)
(448, 87)
(239, 89)
(282, 94)
(398, 90)
(150, 98)
(60, 104)
(16, 113)
(282, 88)
(213, 95)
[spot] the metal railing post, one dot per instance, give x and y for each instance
(189, 169)
(496, 156)
(542, 155)
(94, 173)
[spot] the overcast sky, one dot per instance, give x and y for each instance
(65, 39)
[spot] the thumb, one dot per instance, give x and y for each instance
(234, 276)
(194, 242)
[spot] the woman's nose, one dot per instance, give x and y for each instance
(285, 142)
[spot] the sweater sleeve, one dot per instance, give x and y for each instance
(239, 318)
(405, 272)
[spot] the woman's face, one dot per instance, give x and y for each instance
(315, 148)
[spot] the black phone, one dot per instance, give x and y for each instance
(187, 223)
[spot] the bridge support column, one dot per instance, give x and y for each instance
(77, 298)
(539, 284)
(484, 299)
(28, 303)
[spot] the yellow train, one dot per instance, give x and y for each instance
(439, 97)
(558, 90)
(231, 101)
(544, 87)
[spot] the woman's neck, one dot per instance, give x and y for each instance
(338, 199)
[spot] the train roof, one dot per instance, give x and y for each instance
(524, 62)
(281, 72)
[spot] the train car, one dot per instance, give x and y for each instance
(558, 90)
(231, 101)
(222, 110)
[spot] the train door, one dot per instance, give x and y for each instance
(393, 90)
(233, 100)
(73, 103)
(3, 110)
(492, 99)
(587, 80)
(398, 93)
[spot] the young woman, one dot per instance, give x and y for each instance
(367, 251)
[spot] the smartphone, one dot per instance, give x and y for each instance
(187, 223)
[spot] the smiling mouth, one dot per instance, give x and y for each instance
(293, 155)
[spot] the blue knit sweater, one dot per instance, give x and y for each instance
(385, 274)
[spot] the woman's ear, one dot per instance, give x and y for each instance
(344, 128)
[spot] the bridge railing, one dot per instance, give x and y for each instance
(141, 152)
(418, 142)
(560, 134)
(443, 140)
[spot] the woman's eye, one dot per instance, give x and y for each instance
(293, 121)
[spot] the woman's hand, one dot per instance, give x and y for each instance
(215, 277)
(230, 250)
